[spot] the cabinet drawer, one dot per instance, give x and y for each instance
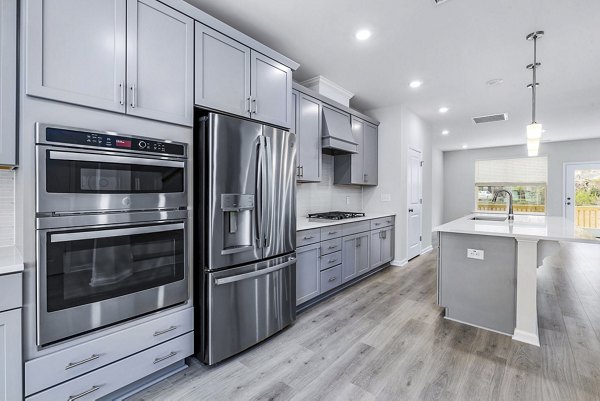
(119, 374)
(333, 245)
(355, 228)
(331, 278)
(49, 370)
(11, 291)
(330, 260)
(382, 222)
(331, 232)
(307, 237)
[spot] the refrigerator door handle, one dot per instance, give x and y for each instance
(268, 206)
(258, 207)
(245, 276)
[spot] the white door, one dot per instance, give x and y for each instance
(415, 201)
(583, 210)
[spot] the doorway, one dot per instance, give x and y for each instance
(415, 202)
(582, 194)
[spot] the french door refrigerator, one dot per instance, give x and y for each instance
(245, 219)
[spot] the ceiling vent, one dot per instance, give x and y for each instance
(439, 1)
(491, 118)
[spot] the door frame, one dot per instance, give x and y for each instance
(413, 148)
(566, 166)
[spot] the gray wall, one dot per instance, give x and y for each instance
(459, 172)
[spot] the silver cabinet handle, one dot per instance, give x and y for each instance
(308, 237)
(332, 279)
(122, 93)
(162, 358)
(332, 247)
(161, 332)
(365, 177)
(80, 395)
(298, 171)
(254, 106)
(301, 171)
(132, 88)
(332, 261)
(377, 224)
(332, 232)
(86, 360)
(248, 105)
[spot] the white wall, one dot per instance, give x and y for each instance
(437, 185)
(399, 130)
(459, 172)
(7, 208)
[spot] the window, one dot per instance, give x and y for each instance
(525, 178)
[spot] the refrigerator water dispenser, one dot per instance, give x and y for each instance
(238, 211)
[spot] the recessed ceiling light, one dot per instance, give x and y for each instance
(465, 146)
(443, 109)
(415, 84)
(445, 132)
(494, 82)
(363, 34)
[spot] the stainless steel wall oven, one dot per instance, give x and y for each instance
(111, 229)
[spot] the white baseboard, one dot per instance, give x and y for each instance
(426, 250)
(400, 263)
(526, 337)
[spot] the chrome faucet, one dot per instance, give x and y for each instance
(511, 215)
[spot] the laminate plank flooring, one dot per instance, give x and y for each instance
(386, 339)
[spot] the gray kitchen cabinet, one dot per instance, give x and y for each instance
(10, 355)
(308, 270)
(381, 246)
(355, 256)
(294, 115)
(8, 82)
(270, 90)
(222, 72)
(76, 52)
(359, 168)
(118, 55)
(160, 62)
(308, 130)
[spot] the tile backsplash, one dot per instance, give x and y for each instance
(7, 207)
(324, 196)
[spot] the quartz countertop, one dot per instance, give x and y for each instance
(10, 260)
(552, 228)
(303, 223)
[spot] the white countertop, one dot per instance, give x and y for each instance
(552, 228)
(303, 223)
(10, 260)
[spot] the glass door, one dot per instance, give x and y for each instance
(582, 195)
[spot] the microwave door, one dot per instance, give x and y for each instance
(280, 202)
(235, 157)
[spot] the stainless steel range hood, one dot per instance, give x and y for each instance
(336, 133)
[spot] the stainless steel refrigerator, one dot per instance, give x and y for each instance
(245, 219)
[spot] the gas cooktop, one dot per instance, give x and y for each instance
(334, 215)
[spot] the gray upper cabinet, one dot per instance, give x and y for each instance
(76, 52)
(8, 82)
(160, 62)
(356, 160)
(308, 130)
(222, 72)
(308, 270)
(270, 90)
(359, 168)
(370, 160)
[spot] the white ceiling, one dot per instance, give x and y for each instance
(454, 48)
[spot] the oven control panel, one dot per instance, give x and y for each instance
(113, 141)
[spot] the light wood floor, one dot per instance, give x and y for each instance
(385, 339)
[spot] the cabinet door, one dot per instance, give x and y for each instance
(376, 257)
(76, 52)
(11, 367)
(370, 154)
(362, 253)
(160, 62)
(309, 138)
(307, 272)
(222, 72)
(386, 245)
(356, 160)
(8, 82)
(349, 251)
(271, 90)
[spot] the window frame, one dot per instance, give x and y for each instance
(510, 184)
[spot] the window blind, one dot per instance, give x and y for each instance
(522, 170)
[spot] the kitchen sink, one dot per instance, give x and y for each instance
(490, 218)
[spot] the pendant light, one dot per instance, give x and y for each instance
(534, 130)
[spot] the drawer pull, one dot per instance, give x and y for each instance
(332, 247)
(332, 261)
(158, 360)
(73, 364)
(377, 224)
(308, 237)
(332, 279)
(161, 332)
(86, 392)
(332, 232)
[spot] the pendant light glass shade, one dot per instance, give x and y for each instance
(533, 147)
(534, 131)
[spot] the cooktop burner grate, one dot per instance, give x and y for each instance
(335, 215)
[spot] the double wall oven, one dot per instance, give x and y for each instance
(111, 228)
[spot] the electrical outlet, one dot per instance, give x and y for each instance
(347, 200)
(475, 254)
(386, 197)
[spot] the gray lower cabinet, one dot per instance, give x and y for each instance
(308, 270)
(355, 256)
(359, 168)
(381, 243)
(308, 131)
(10, 355)
(118, 55)
(8, 82)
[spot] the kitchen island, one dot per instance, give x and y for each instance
(487, 269)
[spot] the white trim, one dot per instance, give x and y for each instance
(399, 263)
(479, 327)
(525, 337)
(426, 250)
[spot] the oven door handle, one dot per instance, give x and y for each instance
(100, 158)
(245, 276)
(95, 234)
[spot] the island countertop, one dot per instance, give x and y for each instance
(551, 228)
